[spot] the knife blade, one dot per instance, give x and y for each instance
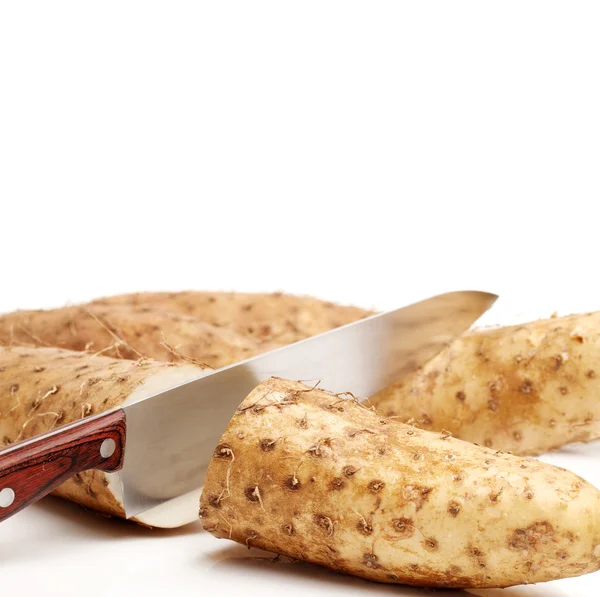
(162, 444)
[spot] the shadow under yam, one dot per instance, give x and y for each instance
(75, 519)
(255, 561)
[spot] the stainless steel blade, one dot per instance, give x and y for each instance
(171, 436)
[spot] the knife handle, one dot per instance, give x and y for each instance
(31, 469)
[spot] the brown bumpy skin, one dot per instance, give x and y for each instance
(307, 474)
(129, 333)
(43, 388)
(525, 389)
(277, 317)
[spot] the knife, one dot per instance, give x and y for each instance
(162, 444)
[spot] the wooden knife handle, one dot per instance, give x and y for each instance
(31, 469)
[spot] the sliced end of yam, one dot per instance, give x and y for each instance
(41, 388)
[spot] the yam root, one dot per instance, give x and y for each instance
(525, 389)
(276, 317)
(129, 333)
(312, 476)
(43, 388)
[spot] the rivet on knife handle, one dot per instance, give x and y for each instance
(32, 469)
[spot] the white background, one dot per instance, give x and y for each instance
(372, 153)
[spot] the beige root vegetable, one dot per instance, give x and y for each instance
(128, 332)
(276, 317)
(42, 388)
(525, 389)
(313, 476)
